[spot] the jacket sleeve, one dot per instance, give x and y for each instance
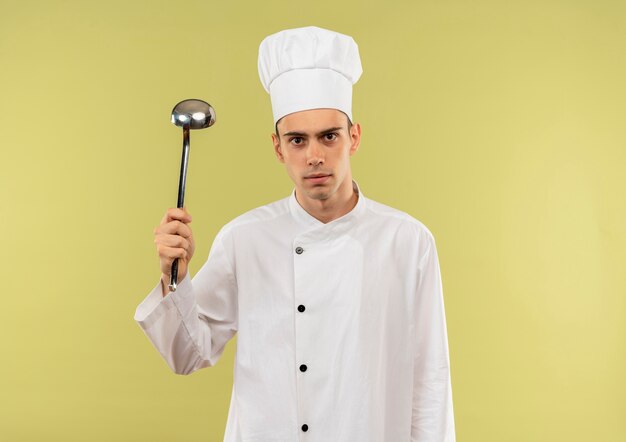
(433, 417)
(191, 326)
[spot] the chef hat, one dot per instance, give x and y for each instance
(309, 68)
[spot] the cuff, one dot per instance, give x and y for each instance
(155, 304)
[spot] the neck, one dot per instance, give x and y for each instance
(329, 209)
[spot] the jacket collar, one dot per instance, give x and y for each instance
(309, 222)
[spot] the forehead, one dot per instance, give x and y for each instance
(313, 120)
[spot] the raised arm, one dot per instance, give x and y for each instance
(191, 326)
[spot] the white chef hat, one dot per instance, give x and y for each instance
(309, 68)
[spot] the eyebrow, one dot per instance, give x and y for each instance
(320, 134)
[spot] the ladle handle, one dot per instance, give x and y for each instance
(181, 198)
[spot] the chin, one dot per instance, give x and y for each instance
(318, 194)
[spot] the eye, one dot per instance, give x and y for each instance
(297, 141)
(330, 137)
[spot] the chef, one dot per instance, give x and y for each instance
(336, 299)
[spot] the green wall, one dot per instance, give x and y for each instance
(499, 124)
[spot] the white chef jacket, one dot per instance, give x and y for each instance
(341, 326)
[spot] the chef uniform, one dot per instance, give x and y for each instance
(341, 325)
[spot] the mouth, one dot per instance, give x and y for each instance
(317, 178)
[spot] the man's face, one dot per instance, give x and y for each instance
(315, 146)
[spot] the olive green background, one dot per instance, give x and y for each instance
(499, 124)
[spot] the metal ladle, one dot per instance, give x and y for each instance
(188, 114)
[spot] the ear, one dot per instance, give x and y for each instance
(277, 149)
(355, 136)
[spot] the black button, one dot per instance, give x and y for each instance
(303, 367)
(301, 308)
(305, 427)
(299, 250)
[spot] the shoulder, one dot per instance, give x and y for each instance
(395, 218)
(258, 215)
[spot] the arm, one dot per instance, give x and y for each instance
(191, 326)
(433, 418)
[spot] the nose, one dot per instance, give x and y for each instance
(315, 154)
